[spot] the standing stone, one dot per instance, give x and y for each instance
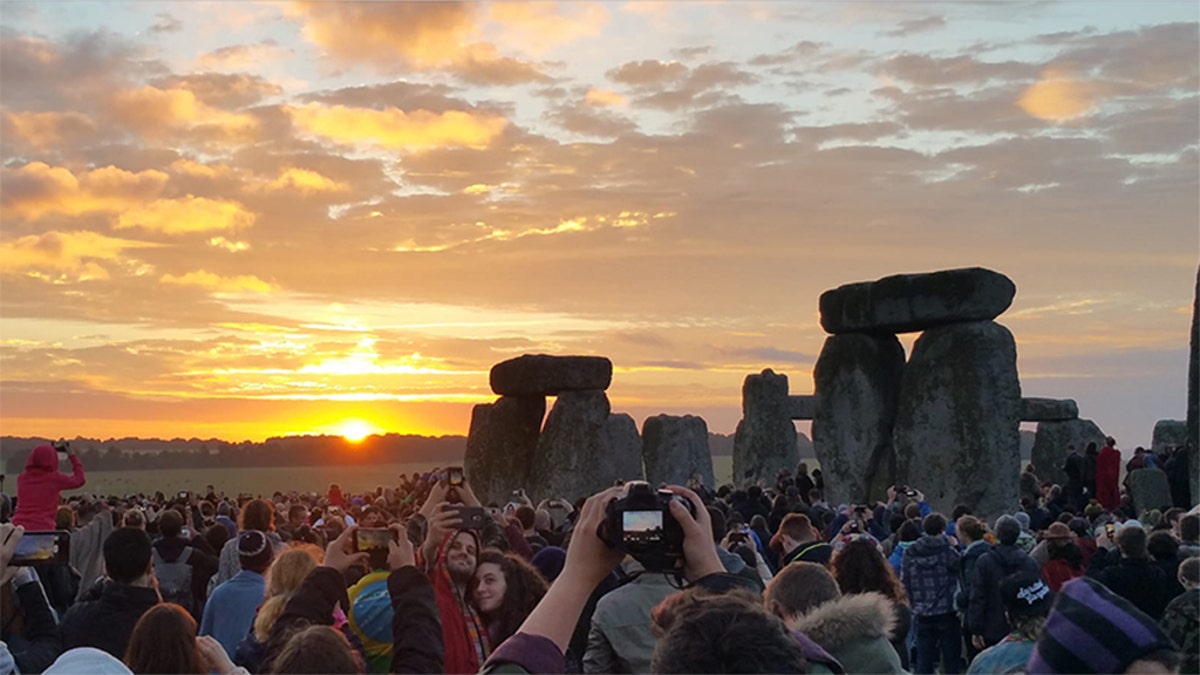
(501, 445)
(1168, 433)
(1051, 442)
(543, 375)
(803, 407)
(957, 426)
(676, 448)
(1149, 489)
(857, 380)
(765, 439)
(582, 449)
(1048, 410)
(905, 303)
(1193, 402)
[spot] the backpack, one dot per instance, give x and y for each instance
(175, 579)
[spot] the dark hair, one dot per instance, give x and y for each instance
(524, 588)
(797, 526)
(1069, 552)
(316, 649)
(216, 535)
(297, 510)
(127, 553)
(799, 587)
(860, 568)
(717, 520)
(909, 530)
(1189, 527)
(257, 514)
(1162, 545)
(970, 526)
(912, 511)
(960, 511)
(1008, 530)
(170, 523)
(526, 515)
(1189, 569)
(164, 641)
(934, 524)
(726, 633)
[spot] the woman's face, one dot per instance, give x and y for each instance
(373, 519)
(489, 594)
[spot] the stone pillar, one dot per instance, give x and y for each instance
(857, 381)
(501, 445)
(583, 449)
(1051, 442)
(765, 440)
(676, 448)
(957, 431)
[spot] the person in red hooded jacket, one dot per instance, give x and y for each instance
(40, 484)
(1108, 475)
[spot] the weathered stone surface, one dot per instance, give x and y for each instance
(802, 407)
(1149, 489)
(765, 439)
(957, 425)
(1048, 410)
(1051, 443)
(501, 445)
(857, 378)
(544, 375)
(1168, 433)
(1193, 402)
(583, 449)
(676, 448)
(905, 303)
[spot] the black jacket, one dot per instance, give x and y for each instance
(1141, 582)
(416, 624)
(985, 610)
(40, 643)
(204, 565)
(107, 622)
(810, 551)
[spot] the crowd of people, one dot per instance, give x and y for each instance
(769, 578)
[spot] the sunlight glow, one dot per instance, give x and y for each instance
(356, 430)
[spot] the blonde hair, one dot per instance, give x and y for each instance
(284, 576)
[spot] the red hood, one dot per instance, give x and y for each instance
(42, 458)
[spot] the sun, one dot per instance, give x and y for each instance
(355, 430)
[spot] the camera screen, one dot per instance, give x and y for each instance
(455, 476)
(643, 527)
(37, 547)
(370, 539)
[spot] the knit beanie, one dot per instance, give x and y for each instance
(255, 550)
(1093, 630)
(1023, 519)
(1092, 510)
(549, 561)
(86, 661)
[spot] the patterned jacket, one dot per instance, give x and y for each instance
(1181, 621)
(929, 572)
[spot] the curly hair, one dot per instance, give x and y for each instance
(859, 567)
(524, 588)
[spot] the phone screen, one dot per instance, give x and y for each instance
(454, 475)
(51, 547)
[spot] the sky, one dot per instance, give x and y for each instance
(241, 220)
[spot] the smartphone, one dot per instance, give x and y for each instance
(374, 541)
(183, 494)
(472, 517)
(454, 476)
(46, 547)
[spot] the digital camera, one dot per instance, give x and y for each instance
(640, 524)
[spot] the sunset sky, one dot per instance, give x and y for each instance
(240, 219)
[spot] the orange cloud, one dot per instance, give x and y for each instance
(40, 129)
(418, 33)
(305, 181)
(603, 97)
(68, 253)
(187, 215)
(153, 111)
(208, 280)
(37, 188)
(1059, 97)
(396, 129)
(538, 27)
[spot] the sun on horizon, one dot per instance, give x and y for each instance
(356, 430)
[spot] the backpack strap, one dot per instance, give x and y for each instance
(185, 556)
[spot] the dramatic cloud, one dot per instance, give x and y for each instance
(76, 254)
(37, 189)
(397, 129)
(187, 215)
(40, 129)
(155, 112)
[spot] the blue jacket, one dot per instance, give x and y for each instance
(229, 612)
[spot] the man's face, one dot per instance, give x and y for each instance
(460, 558)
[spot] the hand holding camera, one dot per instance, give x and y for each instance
(668, 530)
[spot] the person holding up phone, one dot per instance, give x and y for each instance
(39, 628)
(40, 485)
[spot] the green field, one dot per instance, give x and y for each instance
(267, 480)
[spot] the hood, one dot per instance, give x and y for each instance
(850, 617)
(928, 547)
(444, 549)
(42, 458)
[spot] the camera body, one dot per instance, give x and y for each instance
(640, 523)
